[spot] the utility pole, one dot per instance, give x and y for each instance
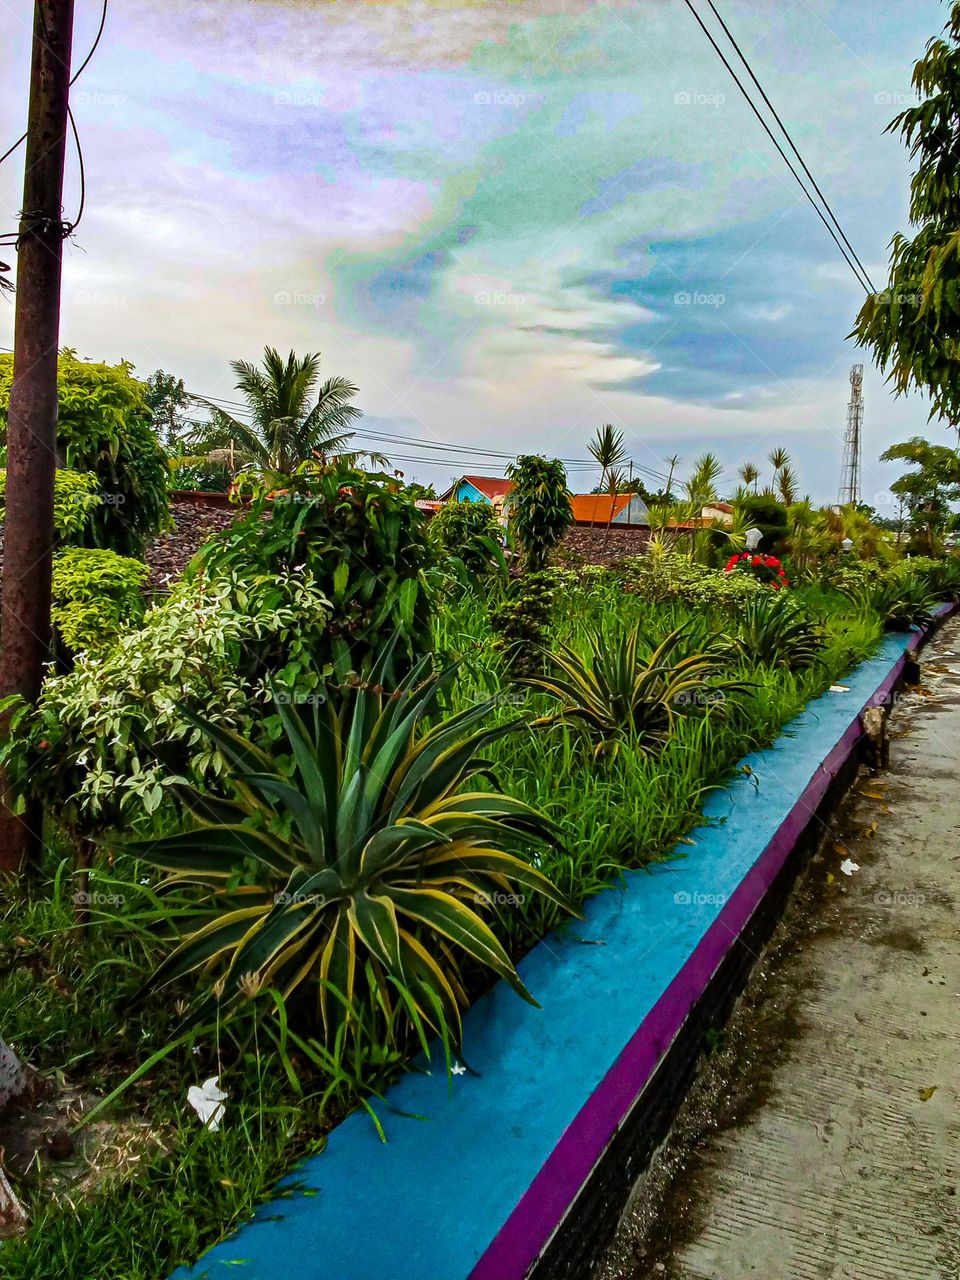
(32, 418)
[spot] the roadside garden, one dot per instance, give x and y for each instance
(305, 806)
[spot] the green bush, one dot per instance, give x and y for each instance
(104, 428)
(96, 597)
(539, 507)
(75, 497)
(107, 740)
(764, 512)
(665, 576)
(469, 532)
(364, 543)
(521, 621)
(773, 631)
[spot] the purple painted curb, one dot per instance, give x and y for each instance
(541, 1209)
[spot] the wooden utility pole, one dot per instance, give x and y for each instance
(32, 418)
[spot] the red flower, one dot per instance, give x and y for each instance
(756, 560)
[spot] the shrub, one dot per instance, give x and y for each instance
(74, 498)
(764, 512)
(665, 576)
(104, 428)
(355, 864)
(767, 570)
(107, 741)
(901, 600)
(96, 597)
(469, 532)
(521, 621)
(629, 688)
(774, 631)
(540, 511)
(363, 542)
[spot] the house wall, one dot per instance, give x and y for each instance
(466, 492)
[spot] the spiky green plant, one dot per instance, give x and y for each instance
(902, 601)
(354, 845)
(629, 687)
(772, 630)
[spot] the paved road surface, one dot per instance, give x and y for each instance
(822, 1141)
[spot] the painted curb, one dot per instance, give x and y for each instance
(480, 1188)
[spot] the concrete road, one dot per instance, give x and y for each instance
(822, 1138)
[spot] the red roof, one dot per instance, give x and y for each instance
(490, 485)
(594, 508)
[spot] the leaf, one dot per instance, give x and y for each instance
(926, 1094)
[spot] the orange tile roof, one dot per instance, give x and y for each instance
(594, 508)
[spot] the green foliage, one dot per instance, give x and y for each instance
(292, 419)
(773, 630)
(108, 740)
(912, 325)
(629, 687)
(199, 474)
(167, 398)
(902, 599)
(764, 512)
(664, 576)
(357, 841)
(363, 542)
(540, 511)
(96, 597)
(104, 428)
(521, 621)
(469, 532)
(75, 496)
(928, 490)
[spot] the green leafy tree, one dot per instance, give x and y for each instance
(104, 427)
(167, 399)
(292, 418)
(540, 511)
(913, 325)
(928, 490)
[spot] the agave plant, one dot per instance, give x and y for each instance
(629, 688)
(902, 602)
(355, 846)
(772, 630)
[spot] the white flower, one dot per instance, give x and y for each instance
(458, 1069)
(207, 1100)
(848, 866)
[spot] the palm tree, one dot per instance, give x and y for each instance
(290, 419)
(787, 485)
(702, 485)
(750, 474)
(672, 462)
(616, 479)
(607, 448)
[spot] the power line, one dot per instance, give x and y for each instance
(793, 146)
(448, 448)
(862, 281)
(73, 79)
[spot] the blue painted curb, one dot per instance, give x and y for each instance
(479, 1187)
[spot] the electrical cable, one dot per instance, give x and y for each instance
(863, 282)
(793, 146)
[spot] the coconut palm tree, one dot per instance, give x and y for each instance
(291, 418)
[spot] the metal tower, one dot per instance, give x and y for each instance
(850, 475)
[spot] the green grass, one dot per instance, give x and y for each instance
(64, 999)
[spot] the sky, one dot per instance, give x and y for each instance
(507, 223)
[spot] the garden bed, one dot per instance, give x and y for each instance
(555, 1111)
